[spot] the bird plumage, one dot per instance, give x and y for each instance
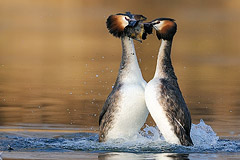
(163, 95)
(124, 112)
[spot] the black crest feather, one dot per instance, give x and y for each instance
(162, 19)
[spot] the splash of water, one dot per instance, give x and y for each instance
(149, 140)
(203, 135)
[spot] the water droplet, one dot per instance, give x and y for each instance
(232, 132)
(96, 75)
(70, 93)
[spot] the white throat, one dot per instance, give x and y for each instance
(129, 68)
(164, 65)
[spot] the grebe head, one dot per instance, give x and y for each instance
(165, 28)
(126, 25)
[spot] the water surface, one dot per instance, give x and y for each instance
(148, 143)
(58, 64)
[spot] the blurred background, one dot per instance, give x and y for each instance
(58, 62)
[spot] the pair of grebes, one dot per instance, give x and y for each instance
(132, 98)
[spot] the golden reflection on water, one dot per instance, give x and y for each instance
(58, 62)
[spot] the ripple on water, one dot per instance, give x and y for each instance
(149, 140)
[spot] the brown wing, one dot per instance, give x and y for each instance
(177, 112)
(109, 104)
(108, 112)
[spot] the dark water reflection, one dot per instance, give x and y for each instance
(58, 62)
(167, 156)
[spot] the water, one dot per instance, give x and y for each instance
(148, 143)
(58, 64)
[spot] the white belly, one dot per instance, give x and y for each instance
(157, 112)
(132, 114)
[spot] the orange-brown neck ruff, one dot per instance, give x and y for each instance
(166, 29)
(116, 24)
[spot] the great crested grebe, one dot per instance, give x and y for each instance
(125, 111)
(162, 94)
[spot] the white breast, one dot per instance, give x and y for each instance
(132, 113)
(157, 112)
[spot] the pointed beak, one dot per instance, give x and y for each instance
(148, 28)
(155, 27)
(132, 23)
(139, 40)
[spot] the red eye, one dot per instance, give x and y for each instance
(127, 18)
(156, 22)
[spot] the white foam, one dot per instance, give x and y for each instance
(203, 135)
(148, 140)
